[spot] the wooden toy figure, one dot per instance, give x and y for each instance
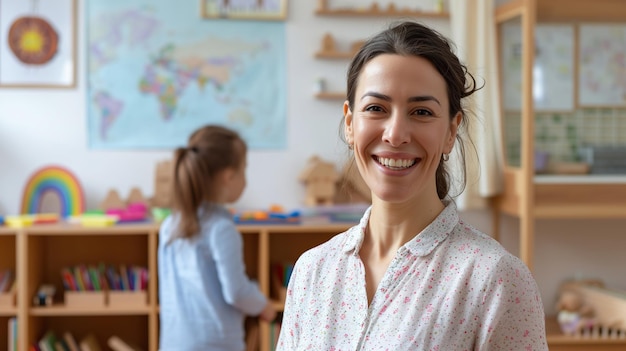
(136, 196)
(322, 5)
(328, 43)
(112, 200)
(162, 185)
(319, 177)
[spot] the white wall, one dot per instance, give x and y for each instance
(39, 127)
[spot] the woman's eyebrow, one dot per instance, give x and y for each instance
(411, 99)
(424, 98)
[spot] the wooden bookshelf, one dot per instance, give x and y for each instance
(38, 253)
(530, 197)
(7, 261)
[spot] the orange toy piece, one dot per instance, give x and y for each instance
(260, 215)
(275, 215)
(277, 208)
(46, 218)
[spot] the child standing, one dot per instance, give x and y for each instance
(204, 291)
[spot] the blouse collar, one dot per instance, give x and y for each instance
(422, 244)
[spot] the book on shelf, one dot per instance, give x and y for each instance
(6, 280)
(117, 344)
(12, 329)
(82, 278)
(127, 278)
(274, 333)
(90, 343)
(70, 341)
(60, 345)
(100, 278)
(48, 341)
(124, 276)
(69, 282)
(280, 275)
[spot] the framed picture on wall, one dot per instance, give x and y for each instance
(38, 43)
(602, 65)
(553, 69)
(273, 10)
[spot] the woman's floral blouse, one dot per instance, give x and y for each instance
(450, 288)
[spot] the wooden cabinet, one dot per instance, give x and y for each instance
(8, 310)
(41, 251)
(280, 244)
(38, 253)
(528, 196)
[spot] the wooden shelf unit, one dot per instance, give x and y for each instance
(560, 342)
(8, 245)
(43, 250)
(373, 11)
(528, 196)
(38, 253)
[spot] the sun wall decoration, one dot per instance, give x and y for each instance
(33, 40)
(38, 43)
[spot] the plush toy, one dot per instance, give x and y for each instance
(574, 313)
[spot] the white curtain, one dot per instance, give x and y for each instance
(473, 33)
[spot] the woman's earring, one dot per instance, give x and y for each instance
(350, 146)
(445, 157)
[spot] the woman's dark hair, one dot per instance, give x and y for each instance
(414, 39)
(210, 150)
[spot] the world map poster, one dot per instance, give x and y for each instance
(157, 71)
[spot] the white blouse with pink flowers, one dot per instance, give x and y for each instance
(449, 288)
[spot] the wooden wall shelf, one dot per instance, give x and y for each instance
(381, 13)
(342, 55)
(328, 51)
(572, 197)
(331, 96)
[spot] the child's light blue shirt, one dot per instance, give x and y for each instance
(204, 292)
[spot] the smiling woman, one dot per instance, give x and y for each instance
(399, 127)
(411, 275)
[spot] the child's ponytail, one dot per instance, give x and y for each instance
(210, 150)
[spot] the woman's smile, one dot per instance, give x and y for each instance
(396, 164)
